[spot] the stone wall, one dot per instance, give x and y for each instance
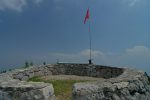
(131, 85)
(69, 69)
(89, 70)
(14, 89)
(119, 83)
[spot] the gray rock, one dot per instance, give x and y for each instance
(119, 83)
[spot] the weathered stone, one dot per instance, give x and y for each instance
(13, 89)
(119, 83)
(115, 97)
(129, 86)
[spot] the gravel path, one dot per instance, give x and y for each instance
(70, 77)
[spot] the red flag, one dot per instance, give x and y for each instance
(87, 15)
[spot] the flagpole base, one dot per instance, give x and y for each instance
(90, 61)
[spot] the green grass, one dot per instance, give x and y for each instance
(36, 79)
(62, 88)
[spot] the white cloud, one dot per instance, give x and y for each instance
(12, 4)
(94, 53)
(81, 56)
(138, 50)
(15, 5)
(137, 56)
(132, 3)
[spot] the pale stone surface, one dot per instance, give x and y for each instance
(131, 85)
(14, 89)
(119, 83)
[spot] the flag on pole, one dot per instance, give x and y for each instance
(87, 15)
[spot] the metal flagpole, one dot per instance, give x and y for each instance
(90, 36)
(90, 41)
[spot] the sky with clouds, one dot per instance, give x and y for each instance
(47, 30)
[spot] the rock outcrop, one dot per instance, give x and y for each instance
(13, 89)
(131, 85)
(118, 83)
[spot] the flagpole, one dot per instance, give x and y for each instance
(90, 41)
(90, 35)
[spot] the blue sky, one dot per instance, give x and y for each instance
(46, 30)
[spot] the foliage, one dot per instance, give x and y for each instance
(3, 71)
(31, 63)
(26, 64)
(44, 63)
(36, 79)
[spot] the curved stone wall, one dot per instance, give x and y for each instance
(70, 69)
(119, 83)
(131, 85)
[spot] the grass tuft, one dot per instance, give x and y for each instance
(62, 88)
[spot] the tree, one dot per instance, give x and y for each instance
(26, 64)
(31, 63)
(44, 63)
(4, 71)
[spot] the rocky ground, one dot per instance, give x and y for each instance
(119, 83)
